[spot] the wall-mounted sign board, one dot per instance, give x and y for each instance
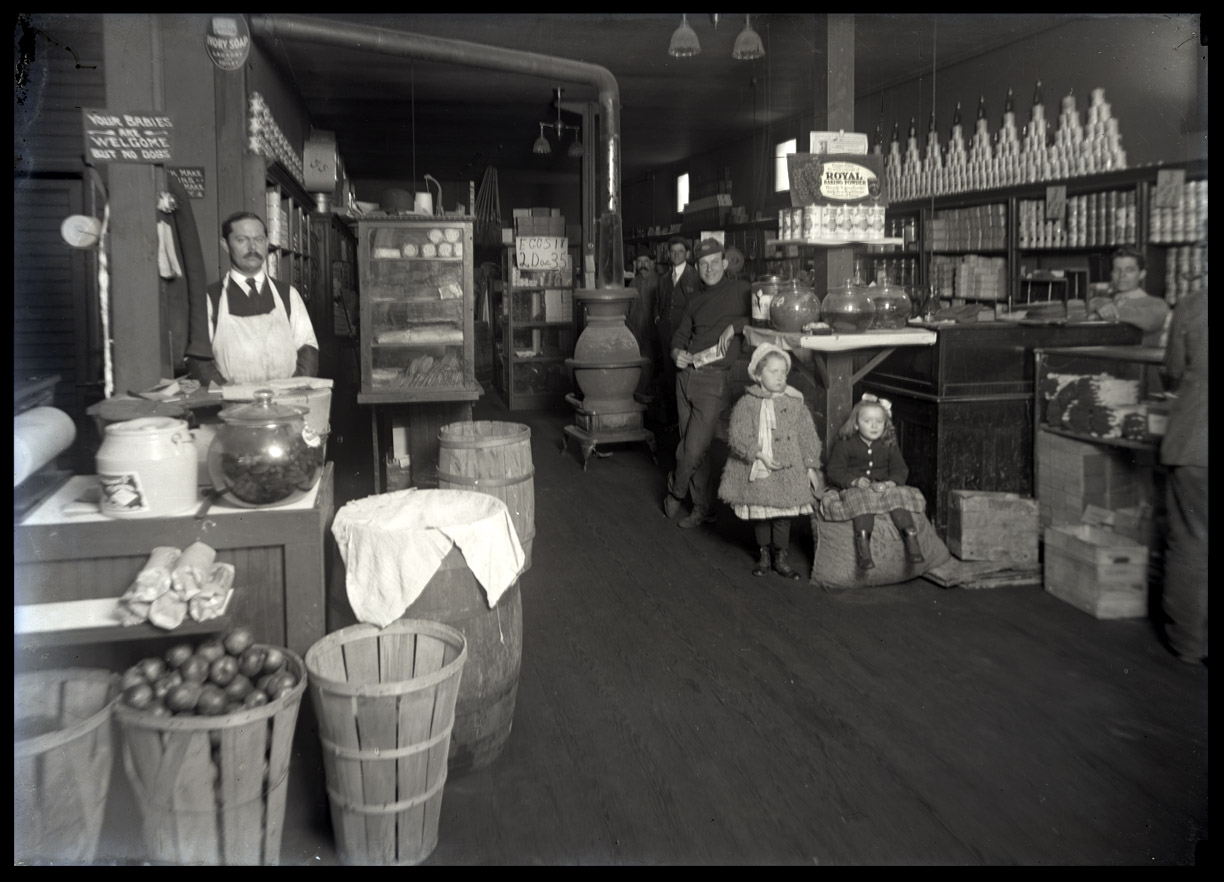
(128, 136)
(192, 179)
(541, 252)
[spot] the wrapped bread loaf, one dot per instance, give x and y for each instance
(153, 580)
(210, 601)
(192, 569)
(168, 611)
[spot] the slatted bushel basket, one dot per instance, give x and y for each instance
(62, 760)
(487, 456)
(385, 703)
(211, 789)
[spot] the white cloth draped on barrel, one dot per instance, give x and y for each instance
(393, 543)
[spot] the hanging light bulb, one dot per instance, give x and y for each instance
(684, 43)
(576, 150)
(541, 145)
(748, 44)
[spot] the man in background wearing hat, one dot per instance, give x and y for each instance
(674, 289)
(705, 345)
(641, 318)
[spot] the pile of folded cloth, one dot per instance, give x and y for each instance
(174, 584)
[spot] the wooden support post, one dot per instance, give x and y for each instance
(129, 45)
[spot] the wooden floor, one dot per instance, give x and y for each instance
(673, 709)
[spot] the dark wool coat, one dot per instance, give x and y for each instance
(795, 443)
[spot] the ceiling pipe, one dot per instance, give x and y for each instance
(609, 244)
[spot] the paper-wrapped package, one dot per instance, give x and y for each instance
(192, 569)
(154, 578)
(168, 611)
(210, 601)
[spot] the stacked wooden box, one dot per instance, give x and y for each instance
(1101, 572)
(1074, 474)
(990, 526)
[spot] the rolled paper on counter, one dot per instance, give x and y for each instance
(192, 570)
(39, 436)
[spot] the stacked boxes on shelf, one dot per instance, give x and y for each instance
(971, 277)
(979, 227)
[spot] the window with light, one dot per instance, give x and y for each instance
(781, 176)
(682, 191)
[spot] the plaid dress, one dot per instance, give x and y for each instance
(851, 458)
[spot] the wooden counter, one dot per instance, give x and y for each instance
(277, 554)
(963, 408)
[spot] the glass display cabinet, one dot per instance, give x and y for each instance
(416, 296)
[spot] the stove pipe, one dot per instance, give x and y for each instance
(609, 246)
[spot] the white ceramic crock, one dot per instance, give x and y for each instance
(148, 468)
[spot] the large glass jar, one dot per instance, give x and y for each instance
(848, 309)
(793, 306)
(892, 306)
(264, 453)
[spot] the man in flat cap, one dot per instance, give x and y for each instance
(705, 345)
(681, 283)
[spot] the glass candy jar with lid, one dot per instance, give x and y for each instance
(763, 291)
(265, 453)
(794, 305)
(848, 309)
(892, 306)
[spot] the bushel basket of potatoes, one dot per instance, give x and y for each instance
(207, 736)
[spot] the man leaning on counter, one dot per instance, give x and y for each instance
(258, 329)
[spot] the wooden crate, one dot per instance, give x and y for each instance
(1098, 571)
(1074, 474)
(989, 526)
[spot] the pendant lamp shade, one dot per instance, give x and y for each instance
(541, 145)
(684, 43)
(575, 150)
(748, 44)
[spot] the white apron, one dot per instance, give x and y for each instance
(252, 349)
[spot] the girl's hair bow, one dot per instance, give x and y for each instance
(883, 402)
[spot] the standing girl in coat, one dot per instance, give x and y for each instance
(772, 471)
(867, 477)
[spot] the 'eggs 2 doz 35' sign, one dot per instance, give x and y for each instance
(836, 179)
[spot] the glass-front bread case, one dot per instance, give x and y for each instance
(416, 293)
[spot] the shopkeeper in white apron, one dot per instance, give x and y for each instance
(258, 328)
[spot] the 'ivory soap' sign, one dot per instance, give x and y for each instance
(228, 41)
(137, 136)
(541, 252)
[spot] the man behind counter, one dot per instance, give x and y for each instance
(258, 329)
(1128, 302)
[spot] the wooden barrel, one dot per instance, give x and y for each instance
(494, 458)
(62, 759)
(484, 711)
(211, 790)
(385, 703)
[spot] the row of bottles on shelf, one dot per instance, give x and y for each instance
(1094, 219)
(1184, 222)
(1035, 153)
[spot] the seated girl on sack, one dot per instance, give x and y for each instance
(867, 477)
